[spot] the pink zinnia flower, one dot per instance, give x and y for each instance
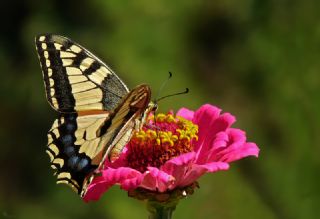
(175, 152)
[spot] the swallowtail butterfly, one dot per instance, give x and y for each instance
(97, 112)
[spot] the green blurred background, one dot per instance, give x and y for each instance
(257, 59)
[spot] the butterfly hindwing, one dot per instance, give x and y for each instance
(72, 147)
(75, 79)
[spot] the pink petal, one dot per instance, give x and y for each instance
(247, 149)
(96, 190)
(208, 130)
(208, 111)
(220, 141)
(178, 166)
(237, 135)
(181, 160)
(198, 170)
(121, 161)
(132, 183)
(237, 147)
(185, 113)
(210, 122)
(204, 118)
(127, 177)
(156, 180)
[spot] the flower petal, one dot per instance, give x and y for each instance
(237, 147)
(120, 161)
(96, 189)
(186, 113)
(198, 170)
(220, 141)
(247, 149)
(156, 180)
(128, 179)
(179, 166)
(210, 124)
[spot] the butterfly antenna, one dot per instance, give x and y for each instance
(156, 99)
(163, 86)
(175, 94)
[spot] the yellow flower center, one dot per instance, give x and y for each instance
(164, 137)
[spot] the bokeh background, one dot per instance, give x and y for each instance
(258, 59)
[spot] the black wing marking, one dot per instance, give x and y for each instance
(75, 79)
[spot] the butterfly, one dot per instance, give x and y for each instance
(97, 112)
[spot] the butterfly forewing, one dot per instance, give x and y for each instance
(75, 79)
(118, 129)
(128, 117)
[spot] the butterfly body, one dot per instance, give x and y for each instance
(98, 113)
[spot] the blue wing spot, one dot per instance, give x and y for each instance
(83, 163)
(73, 162)
(69, 150)
(70, 127)
(71, 117)
(67, 140)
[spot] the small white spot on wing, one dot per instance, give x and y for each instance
(42, 38)
(43, 46)
(75, 49)
(49, 72)
(46, 54)
(48, 63)
(52, 91)
(54, 102)
(51, 82)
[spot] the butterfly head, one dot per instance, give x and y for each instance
(152, 107)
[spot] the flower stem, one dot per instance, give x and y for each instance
(161, 205)
(160, 210)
